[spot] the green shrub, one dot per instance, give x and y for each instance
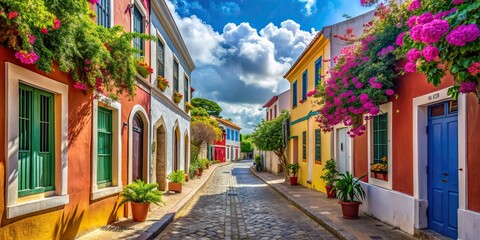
(348, 188)
(141, 192)
(257, 159)
(177, 176)
(293, 169)
(331, 172)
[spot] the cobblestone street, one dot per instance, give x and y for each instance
(236, 205)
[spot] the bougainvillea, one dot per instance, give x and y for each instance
(42, 32)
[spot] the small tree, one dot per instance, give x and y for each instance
(203, 130)
(212, 108)
(268, 136)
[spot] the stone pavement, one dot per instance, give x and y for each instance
(159, 218)
(235, 204)
(328, 212)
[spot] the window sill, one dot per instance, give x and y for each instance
(105, 192)
(36, 205)
(318, 162)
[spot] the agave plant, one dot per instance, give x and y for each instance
(141, 192)
(348, 188)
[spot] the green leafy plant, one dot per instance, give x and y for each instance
(331, 172)
(293, 169)
(258, 159)
(348, 188)
(216, 161)
(141, 192)
(192, 169)
(177, 176)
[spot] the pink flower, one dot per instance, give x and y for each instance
(368, 105)
(414, 54)
(27, 58)
(410, 67)
(374, 111)
(389, 92)
(468, 87)
(433, 31)
(457, 2)
(416, 33)
(367, 3)
(312, 93)
(425, 18)
(474, 69)
(12, 15)
(363, 97)
(430, 52)
(441, 15)
(93, 1)
(31, 38)
(414, 5)
(374, 84)
(399, 40)
(80, 86)
(44, 30)
(56, 24)
(386, 51)
(358, 85)
(461, 35)
(412, 21)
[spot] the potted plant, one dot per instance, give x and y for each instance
(141, 194)
(177, 97)
(350, 194)
(201, 166)
(258, 161)
(293, 169)
(143, 69)
(329, 176)
(380, 169)
(188, 106)
(162, 83)
(177, 178)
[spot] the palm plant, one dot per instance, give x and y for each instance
(348, 188)
(330, 172)
(141, 192)
(293, 169)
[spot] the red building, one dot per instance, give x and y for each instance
(219, 149)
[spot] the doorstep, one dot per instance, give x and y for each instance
(327, 212)
(158, 219)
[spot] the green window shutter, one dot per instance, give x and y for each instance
(304, 145)
(380, 137)
(318, 141)
(36, 160)
(104, 146)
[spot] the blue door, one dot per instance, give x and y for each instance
(443, 168)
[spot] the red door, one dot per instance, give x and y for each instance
(137, 155)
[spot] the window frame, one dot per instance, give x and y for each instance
(186, 88)
(110, 13)
(304, 85)
(318, 146)
(137, 4)
(304, 146)
(294, 94)
(15, 205)
(176, 81)
(162, 43)
(318, 77)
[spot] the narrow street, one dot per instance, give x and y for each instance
(234, 204)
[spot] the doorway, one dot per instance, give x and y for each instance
(160, 157)
(137, 148)
(176, 149)
(343, 150)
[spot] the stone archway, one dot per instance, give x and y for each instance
(138, 145)
(160, 155)
(186, 155)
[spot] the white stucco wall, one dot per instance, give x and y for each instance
(284, 101)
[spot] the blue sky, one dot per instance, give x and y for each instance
(242, 48)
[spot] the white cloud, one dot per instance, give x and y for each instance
(310, 7)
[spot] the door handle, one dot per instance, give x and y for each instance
(341, 146)
(444, 180)
(445, 174)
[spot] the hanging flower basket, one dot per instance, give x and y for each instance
(177, 97)
(188, 107)
(162, 83)
(143, 69)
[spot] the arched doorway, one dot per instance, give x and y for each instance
(186, 155)
(176, 149)
(160, 157)
(137, 151)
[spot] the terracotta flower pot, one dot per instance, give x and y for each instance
(162, 86)
(177, 99)
(175, 187)
(200, 171)
(140, 211)
(350, 209)
(208, 165)
(186, 177)
(293, 181)
(330, 192)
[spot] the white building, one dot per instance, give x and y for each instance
(171, 123)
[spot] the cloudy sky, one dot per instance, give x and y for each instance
(242, 48)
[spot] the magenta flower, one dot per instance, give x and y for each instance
(31, 38)
(461, 35)
(441, 15)
(474, 69)
(413, 54)
(457, 2)
(430, 52)
(433, 31)
(363, 97)
(389, 92)
(416, 33)
(425, 18)
(358, 85)
(468, 87)
(93, 1)
(410, 67)
(368, 105)
(412, 21)
(399, 40)
(56, 24)
(414, 5)
(386, 51)
(374, 111)
(27, 58)
(80, 86)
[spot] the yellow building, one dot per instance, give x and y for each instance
(310, 147)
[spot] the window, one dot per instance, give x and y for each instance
(160, 58)
(138, 27)
(236, 136)
(36, 157)
(318, 146)
(275, 111)
(271, 114)
(185, 88)
(294, 94)
(304, 146)
(318, 70)
(228, 134)
(103, 13)
(380, 137)
(304, 84)
(175, 76)
(104, 146)
(267, 115)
